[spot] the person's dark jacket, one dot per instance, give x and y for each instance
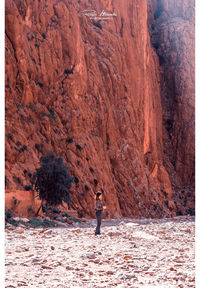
(99, 205)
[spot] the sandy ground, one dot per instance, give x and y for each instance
(128, 253)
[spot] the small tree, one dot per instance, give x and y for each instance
(52, 181)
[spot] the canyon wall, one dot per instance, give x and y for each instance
(171, 25)
(98, 94)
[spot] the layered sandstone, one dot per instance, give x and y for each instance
(92, 92)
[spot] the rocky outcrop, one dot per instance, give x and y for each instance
(90, 90)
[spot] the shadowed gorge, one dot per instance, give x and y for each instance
(114, 98)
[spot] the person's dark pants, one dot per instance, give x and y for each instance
(98, 215)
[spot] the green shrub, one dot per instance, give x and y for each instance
(8, 214)
(28, 187)
(98, 24)
(52, 180)
(52, 114)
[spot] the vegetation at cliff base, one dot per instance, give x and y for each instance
(52, 180)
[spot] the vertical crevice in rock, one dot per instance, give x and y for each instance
(122, 27)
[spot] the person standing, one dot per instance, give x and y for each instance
(98, 209)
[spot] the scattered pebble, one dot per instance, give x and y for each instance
(19, 230)
(129, 253)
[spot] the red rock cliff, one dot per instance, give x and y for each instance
(93, 92)
(171, 26)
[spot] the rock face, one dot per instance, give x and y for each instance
(172, 34)
(96, 92)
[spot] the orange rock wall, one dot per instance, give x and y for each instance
(91, 94)
(22, 203)
(26, 203)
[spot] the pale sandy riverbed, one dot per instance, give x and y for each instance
(129, 253)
